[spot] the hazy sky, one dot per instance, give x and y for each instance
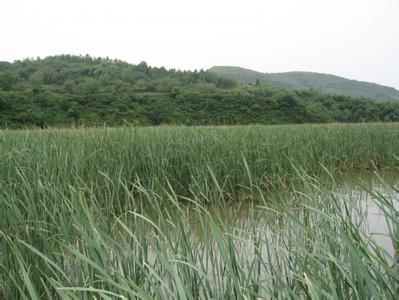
(358, 39)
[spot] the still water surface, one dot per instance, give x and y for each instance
(356, 193)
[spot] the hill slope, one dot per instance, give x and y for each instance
(304, 80)
(82, 90)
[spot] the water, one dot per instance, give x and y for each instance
(371, 217)
(290, 233)
(355, 194)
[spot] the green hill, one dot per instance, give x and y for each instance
(70, 90)
(307, 80)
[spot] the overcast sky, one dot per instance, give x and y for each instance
(358, 39)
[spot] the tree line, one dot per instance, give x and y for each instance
(69, 90)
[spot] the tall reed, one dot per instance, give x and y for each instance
(148, 213)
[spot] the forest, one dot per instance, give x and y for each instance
(68, 90)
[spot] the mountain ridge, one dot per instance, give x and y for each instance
(301, 80)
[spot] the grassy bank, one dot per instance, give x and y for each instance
(116, 213)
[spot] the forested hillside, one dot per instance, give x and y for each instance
(82, 90)
(307, 80)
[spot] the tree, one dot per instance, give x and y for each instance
(7, 80)
(89, 87)
(69, 86)
(45, 75)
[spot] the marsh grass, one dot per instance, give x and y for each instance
(146, 213)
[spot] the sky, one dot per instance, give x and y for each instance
(357, 39)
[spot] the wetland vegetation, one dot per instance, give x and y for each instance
(242, 212)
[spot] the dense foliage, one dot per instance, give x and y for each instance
(82, 90)
(325, 83)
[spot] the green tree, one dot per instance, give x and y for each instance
(69, 86)
(7, 80)
(45, 75)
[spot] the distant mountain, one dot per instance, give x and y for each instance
(307, 80)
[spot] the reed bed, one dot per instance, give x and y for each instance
(146, 213)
